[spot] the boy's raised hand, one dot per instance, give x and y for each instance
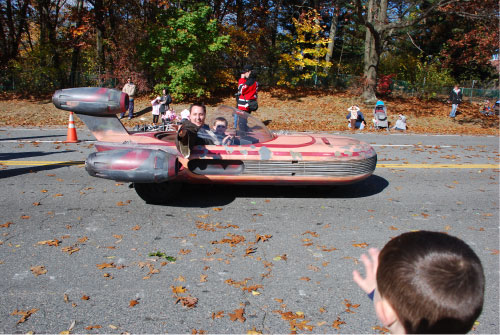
(369, 283)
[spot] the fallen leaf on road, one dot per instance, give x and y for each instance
(53, 243)
(105, 265)
(70, 250)
(25, 314)
(262, 238)
(348, 306)
(132, 303)
(188, 301)
(178, 289)
(83, 239)
(93, 327)
(6, 225)
(136, 227)
(360, 245)
(85, 297)
(253, 331)
(237, 315)
(252, 288)
(38, 270)
(217, 315)
(382, 330)
(336, 324)
(250, 250)
(314, 234)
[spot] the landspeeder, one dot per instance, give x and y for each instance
(153, 161)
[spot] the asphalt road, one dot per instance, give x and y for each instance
(75, 250)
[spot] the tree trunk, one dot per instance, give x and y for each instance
(240, 14)
(76, 49)
(333, 32)
(370, 60)
(99, 18)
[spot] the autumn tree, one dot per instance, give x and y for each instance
(305, 59)
(472, 39)
(13, 24)
(385, 20)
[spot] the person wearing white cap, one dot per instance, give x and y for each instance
(355, 117)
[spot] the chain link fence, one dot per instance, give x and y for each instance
(17, 83)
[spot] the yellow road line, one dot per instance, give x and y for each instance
(40, 163)
(439, 166)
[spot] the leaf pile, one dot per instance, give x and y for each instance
(287, 109)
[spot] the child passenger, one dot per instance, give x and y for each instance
(219, 129)
(424, 282)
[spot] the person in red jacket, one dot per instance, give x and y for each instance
(247, 90)
(247, 93)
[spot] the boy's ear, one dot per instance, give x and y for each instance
(385, 312)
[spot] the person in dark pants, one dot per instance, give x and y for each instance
(130, 89)
(247, 95)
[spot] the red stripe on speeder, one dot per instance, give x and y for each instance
(269, 145)
(131, 160)
(275, 153)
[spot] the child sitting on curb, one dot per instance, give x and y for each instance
(424, 282)
(400, 123)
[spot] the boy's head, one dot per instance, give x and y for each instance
(220, 125)
(433, 282)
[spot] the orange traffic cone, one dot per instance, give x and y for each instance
(71, 136)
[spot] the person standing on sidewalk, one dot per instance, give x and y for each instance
(246, 98)
(129, 88)
(455, 99)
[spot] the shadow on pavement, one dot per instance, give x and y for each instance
(18, 155)
(30, 137)
(220, 195)
(33, 169)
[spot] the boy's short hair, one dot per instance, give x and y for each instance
(220, 119)
(433, 281)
